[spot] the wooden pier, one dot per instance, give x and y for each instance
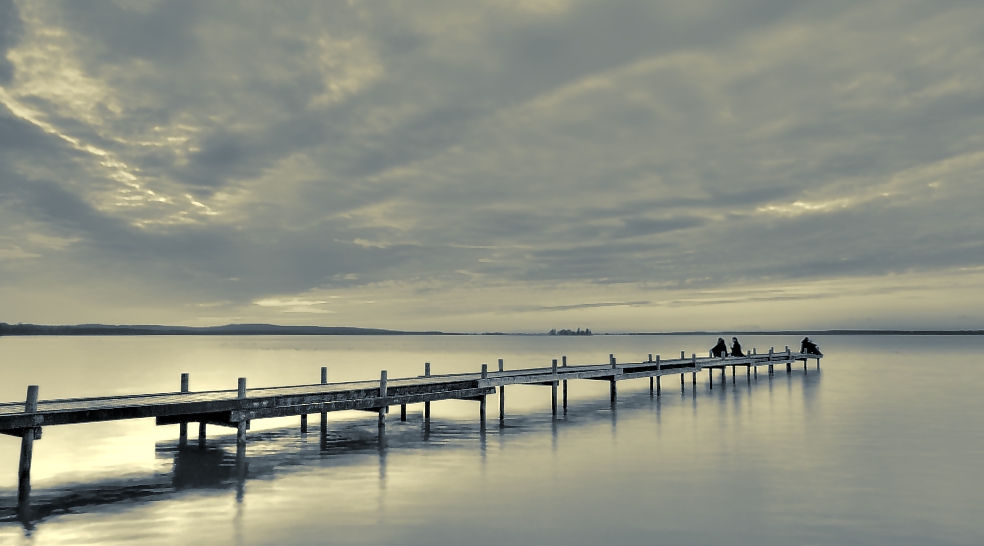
(235, 408)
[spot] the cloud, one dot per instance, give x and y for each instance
(457, 158)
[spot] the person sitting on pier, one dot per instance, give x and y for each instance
(810, 348)
(721, 349)
(736, 347)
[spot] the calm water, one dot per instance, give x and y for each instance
(884, 445)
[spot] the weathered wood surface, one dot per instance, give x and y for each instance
(224, 407)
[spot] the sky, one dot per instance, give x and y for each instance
(497, 165)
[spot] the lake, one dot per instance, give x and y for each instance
(883, 445)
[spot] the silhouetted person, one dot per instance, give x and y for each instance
(720, 349)
(736, 347)
(810, 348)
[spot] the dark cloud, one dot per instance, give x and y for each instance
(11, 29)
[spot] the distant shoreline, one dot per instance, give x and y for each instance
(276, 330)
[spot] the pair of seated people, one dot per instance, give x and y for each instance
(721, 349)
(810, 348)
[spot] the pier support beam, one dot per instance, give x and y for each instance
(27, 449)
(183, 427)
(502, 399)
(403, 412)
(564, 365)
(553, 389)
(657, 386)
(241, 426)
(613, 391)
(201, 434)
(481, 400)
(324, 414)
(382, 395)
(427, 405)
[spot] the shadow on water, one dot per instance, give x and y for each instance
(223, 466)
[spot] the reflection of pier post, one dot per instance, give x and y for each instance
(240, 471)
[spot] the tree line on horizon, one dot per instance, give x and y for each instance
(565, 332)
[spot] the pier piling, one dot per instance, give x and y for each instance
(324, 414)
(382, 396)
(241, 426)
(27, 448)
(427, 405)
(564, 365)
(553, 389)
(481, 401)
(183, 426)
(502, 397)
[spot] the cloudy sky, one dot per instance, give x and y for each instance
(493, 165)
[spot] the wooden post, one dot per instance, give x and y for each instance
(553, 389)
(304, 422)
(611, 360)
(382, 396)
(683, 355)
(201, 434)
(657, 386)
(427, 405)
(502, 397)
(732, 374)
(481, 401)
(403, 412)
(183, 427)
(324, 414)
(771, 370)
(613, 391)
(241, 426)
(652, 385)
(27, 448)
(710, 377)
(565, 385)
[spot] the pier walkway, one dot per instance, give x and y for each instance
(236, 408)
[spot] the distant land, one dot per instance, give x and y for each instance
(227, 330)
(276, 330)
